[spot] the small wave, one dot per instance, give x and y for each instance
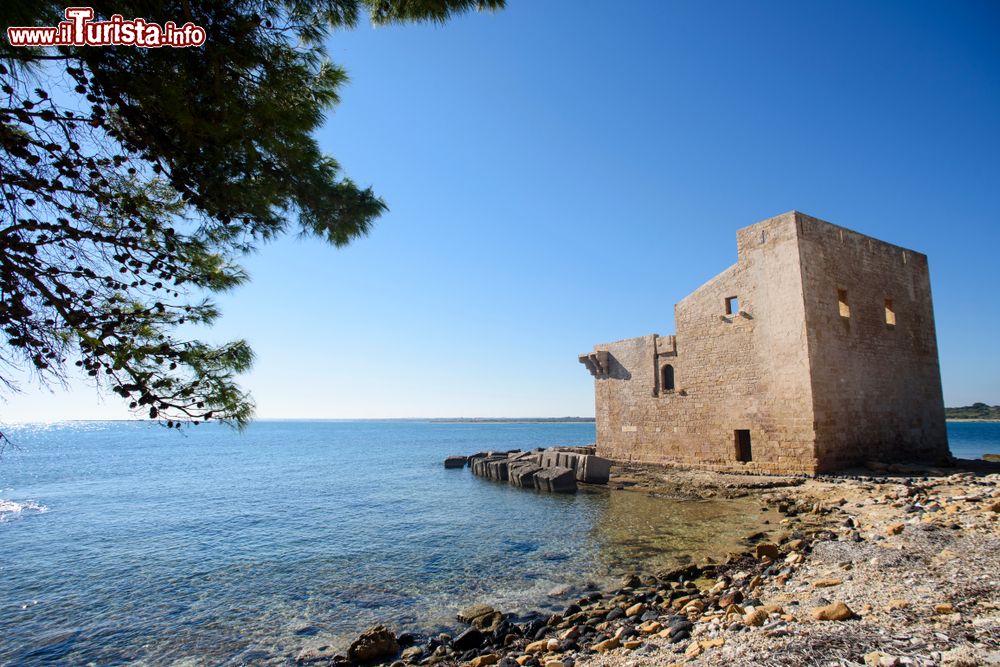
(10, 509)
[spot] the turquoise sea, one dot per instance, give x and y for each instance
(126, 543)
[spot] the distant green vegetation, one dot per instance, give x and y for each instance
(974, 411)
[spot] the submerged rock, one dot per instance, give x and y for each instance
(310, 654)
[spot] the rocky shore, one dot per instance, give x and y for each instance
(889, 566)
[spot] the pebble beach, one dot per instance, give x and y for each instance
(883, 566)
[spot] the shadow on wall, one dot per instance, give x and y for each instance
(616, 370)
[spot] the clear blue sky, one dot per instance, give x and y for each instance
(561, 173)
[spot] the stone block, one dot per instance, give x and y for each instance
(556, 480)
(593, 469)
(550, 458)
(456, 461)
(497, 470)
(523, 474)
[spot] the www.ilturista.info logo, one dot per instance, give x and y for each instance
(79, 29)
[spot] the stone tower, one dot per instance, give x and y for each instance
(815, 351)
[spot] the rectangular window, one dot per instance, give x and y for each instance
(743, 451)
(890, 314)
(845, 310)
(732, 305)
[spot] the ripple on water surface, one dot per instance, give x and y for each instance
(160, 548)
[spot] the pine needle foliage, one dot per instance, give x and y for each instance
(132, 181)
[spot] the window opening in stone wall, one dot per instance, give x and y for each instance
(743, 450)
(845, 310)
(890, 313)
(732, 305)
(667, 378)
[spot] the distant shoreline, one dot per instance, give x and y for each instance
(973, 419)
(434, 420)
(512, 420)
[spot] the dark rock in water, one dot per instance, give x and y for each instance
(456, 461)
(471, 638)
(407, 639)
(631, 581)
(373, 644)
(305, 630)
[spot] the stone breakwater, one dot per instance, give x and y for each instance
(557, 469)
(862, 570)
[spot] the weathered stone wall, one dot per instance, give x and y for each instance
(876, 385)
(745, 370)
(814, 389)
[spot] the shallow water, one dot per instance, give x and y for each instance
(131, 543)
(127, 543)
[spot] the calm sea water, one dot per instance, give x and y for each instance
(126, 542)
(970, 440)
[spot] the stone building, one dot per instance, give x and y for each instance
(815, 351)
